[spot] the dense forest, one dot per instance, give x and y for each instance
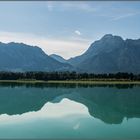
(45, 76)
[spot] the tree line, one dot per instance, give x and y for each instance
(45, 76)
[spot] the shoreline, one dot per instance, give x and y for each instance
(72, 82)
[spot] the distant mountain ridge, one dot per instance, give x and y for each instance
(22, 57)
(58, 58)
(110, 54)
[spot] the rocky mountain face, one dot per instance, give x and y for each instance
(110, 54)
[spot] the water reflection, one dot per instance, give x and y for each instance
(51, 121)
(64, 85)
(49, 110)
(109, 103)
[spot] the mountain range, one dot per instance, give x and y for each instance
(22, 57)
(110, 54)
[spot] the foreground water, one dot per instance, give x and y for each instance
(69, 111)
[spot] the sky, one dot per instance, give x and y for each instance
(67, 28)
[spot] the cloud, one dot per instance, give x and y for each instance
(50, 6)
(82, 6)
(106, 10)
(77, 32)
(64, 47)
(124, 16)
(66, 6)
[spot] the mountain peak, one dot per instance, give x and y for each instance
(107, 36)
(58, 58)
(107, 43)
(111, 37)
(110, 54)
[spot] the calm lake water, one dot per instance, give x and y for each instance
(69, 111)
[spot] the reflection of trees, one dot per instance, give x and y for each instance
(64, 85)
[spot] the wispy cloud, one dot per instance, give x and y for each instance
(65, 6)
(98, 9)
(124, 16)
(86, 7)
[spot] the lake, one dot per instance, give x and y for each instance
(69, 111)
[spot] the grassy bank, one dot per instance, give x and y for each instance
(72, 81)
(96, 82)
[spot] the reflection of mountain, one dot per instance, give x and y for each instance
(18, 100)
(109, 104)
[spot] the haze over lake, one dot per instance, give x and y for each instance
(69, 111)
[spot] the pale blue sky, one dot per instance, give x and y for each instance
(67, 28)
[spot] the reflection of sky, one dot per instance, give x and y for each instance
(67, 28)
